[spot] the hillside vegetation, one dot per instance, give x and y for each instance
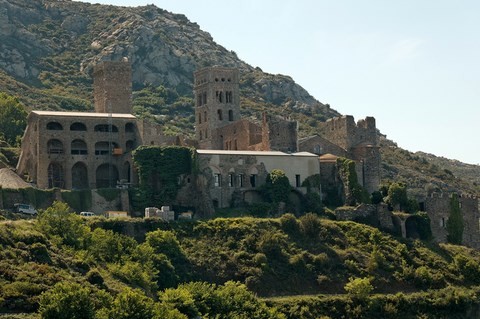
(344, 261)
(48, 50)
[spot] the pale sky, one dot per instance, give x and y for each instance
(413, 65)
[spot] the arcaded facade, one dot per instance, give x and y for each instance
(78, 150)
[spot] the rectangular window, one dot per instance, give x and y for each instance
(297, 181)
(240, 182)
(253, 180)
(442, 222)
(231, 180)
(217, 180)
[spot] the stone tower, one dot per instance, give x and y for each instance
(112, 87)
(217, 102)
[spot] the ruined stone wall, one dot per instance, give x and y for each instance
(318, 145)
(240, 135)
(150, 133)
(282, 134)
(437, 207)
(368, 161)
(27, 163)
(344, 132)
(112, 87)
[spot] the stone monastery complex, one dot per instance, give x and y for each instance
(91, 150)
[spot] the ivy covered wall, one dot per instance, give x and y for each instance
(160, 170)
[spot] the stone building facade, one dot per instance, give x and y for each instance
(231, 178)
(437, 206)
(77, 150)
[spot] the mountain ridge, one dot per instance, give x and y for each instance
(48, 49)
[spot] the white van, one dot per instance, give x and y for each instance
(87, 214)
(25, 209)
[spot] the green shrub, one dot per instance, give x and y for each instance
(359, 288)
(67, 301)
(289, 223)
(310, 225)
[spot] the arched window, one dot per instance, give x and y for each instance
(79, 176)
(54, 147)
(220, 116)
(78, 147)
(129, 127)
(77, 126)
(104, 148)
(230, 115)
(105, 128)
(106, 176)
(55, 175)
(54, 126)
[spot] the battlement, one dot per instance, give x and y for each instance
(344, 132)
(461, 196)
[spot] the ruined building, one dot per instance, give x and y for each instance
(437, 206)
(342, 137)
(77, 150)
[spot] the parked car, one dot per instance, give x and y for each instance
(87, 214)
(25, 209)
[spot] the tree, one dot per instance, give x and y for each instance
(66, 300)
(397, 195)
(277, 186)
(58, 222)
(129, 304)
(455, 222)
(13, 118)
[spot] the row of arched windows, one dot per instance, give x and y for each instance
(77, 126)
(106, 175)
(79, 147)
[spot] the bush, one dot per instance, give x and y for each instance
(66, 301)
(289, 223)
(129, 304)
(359, 288)
(310, 225)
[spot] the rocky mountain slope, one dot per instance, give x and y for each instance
(49, 47)
(53, 45)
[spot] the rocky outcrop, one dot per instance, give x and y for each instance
(50, 41)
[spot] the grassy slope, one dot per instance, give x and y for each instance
(274, 257)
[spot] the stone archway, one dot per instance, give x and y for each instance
(106, 176)
(55, 175)
(79, 176)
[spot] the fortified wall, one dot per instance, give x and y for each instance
(437, 207)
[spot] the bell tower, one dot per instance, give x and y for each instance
(217, 103)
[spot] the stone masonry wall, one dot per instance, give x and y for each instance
(112, 89)
(437, 207)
